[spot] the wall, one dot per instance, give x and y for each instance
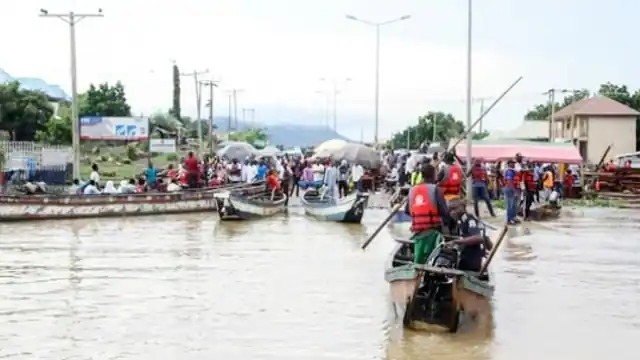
(604, 131)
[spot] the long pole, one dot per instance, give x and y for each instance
(552, 96)
(72, 19)
(435, 125)
(377, 96)
(335, 106)
(244, 115)
(480, 127)
(230, 110)
(235, 107)
(468, 104)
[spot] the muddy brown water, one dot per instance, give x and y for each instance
(189, 287)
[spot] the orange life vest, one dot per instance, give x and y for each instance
(423, 208)
(452, 182)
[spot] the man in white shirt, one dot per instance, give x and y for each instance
(91, 189)
(318, 173)
(357, 171)
(252, 171)
(95, 175)
(234, 171)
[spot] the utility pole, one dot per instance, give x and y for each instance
(334, 91)
(551, 93)
(195, 75)
(230, 112)
(211, 84)
(253, 114)
(72, 19)
(234, 100)
(435, 125)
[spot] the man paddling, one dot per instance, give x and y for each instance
(428, 210)
(472, 237)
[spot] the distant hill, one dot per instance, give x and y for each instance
(288, 135)
(28, 83)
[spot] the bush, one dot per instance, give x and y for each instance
(172, 157)
(2, 159)
(104, 158)
(126, 161)
(95, 150)
(132, 152)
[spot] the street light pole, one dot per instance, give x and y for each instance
(469, 99)
(72, 19)
(335, 91)
(377, 25)
(211, 84)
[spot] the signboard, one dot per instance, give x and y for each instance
(114, 128)
(162, 145)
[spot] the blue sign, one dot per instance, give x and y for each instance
(121, 130)
(131, 130)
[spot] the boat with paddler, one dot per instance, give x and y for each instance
(438, 296)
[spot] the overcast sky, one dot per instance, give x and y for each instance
(276, 50)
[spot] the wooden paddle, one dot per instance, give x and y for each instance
(501, 236)
(382, 225)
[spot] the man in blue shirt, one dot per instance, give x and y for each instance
(509, 190)
(151, 176)
(262, 171)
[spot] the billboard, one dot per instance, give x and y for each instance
(114, 128)
(162, 145)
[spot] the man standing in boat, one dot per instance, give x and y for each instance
(472, 237)
(428, 210)
(450, 178)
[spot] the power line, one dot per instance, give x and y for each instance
(195, 75)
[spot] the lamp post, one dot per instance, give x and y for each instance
(377, 25)
(469, 99)
(72, 19)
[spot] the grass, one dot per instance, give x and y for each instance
(114, 164)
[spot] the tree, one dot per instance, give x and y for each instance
(23, 112)
(164, 121)
(251, 136)
(481, 135)
(543, 111)
(57, 129)
(446, 127)
(104, 100)
(175, 109)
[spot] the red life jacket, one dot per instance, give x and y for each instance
(527, 177)
(452, 182)
(479, 173)
(423, 208)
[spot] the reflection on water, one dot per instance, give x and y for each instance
(293, 288)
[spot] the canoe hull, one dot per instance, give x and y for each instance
(234, 208)
(348, 210)
(458, 299)
(14, 209)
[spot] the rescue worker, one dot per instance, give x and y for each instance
(509, 192)
(472, 237)
(479, 187)
(548, 182)
(416, 175)
(429, 212)
(530, 188)
(450, 179)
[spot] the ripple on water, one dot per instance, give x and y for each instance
(293, 288)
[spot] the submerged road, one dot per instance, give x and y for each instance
(190, 287)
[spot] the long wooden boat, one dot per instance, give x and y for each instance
(49, 206)
(349, 209)
(436, 296)
(250, 203)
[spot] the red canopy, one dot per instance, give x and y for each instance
(531, 151)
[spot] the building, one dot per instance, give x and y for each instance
(595, 123)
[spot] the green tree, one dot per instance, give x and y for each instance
(164, 121)
(251, 136)
(104, 100)
(543, 111)
(175, 109)
(481, 135)
(446, 127)
(57, 129)
(23, 112)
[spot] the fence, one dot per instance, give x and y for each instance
(29, 161)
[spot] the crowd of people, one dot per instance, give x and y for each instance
(285, 174)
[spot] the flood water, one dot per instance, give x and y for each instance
(189, 287)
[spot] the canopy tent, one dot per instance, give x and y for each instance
(530, 150)
(271, 151)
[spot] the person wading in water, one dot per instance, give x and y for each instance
(450, 178)
(428, 210)
(479, 187)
